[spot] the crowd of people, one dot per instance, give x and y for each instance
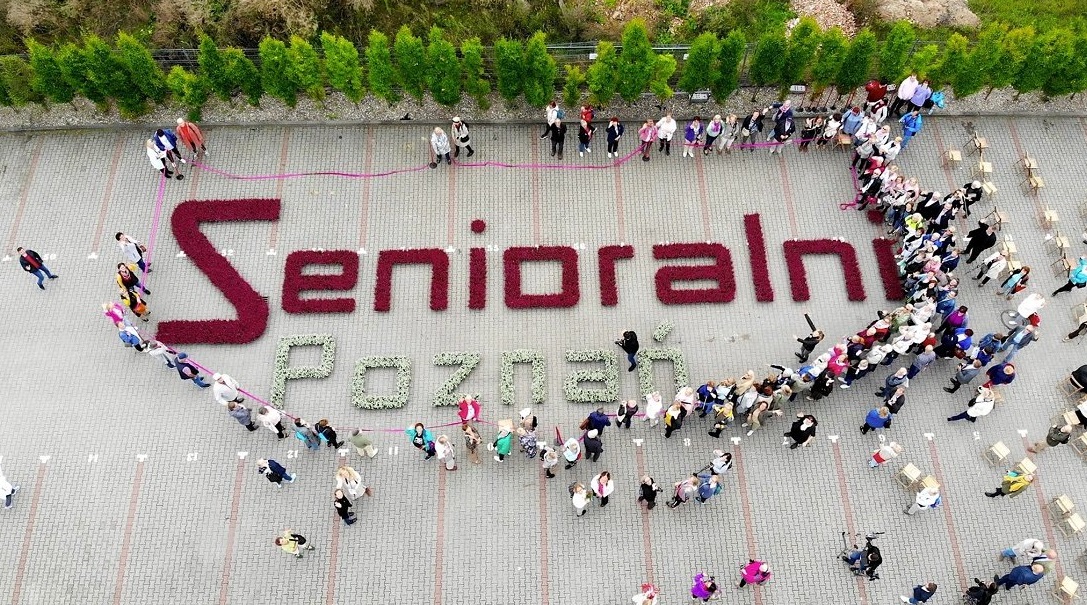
(930, 331)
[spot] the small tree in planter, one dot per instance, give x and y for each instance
(603, 74)
(142, 69)
(411, 65)
(188, 89)
(800, 50)
(768, 61)
(828, 61)
(72, 60)
(475, 81)
(243, 75)
(277, 72)
(857, 64)
(637, 61)
(729, 55)
(380, 73)
(1013, 52)
(983, 59)
(895, 52)
(443, 68)
(48, 79)
(213, 68)
(698, 68)
(509, 66)
(571, 90)
(106, 70)
(342, 66)
(540, 72)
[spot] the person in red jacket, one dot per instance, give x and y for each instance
(190, 134)
(876, 92)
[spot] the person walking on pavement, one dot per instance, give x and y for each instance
(364, 445)
(571, 451)
(132, 251)
(602, 486)
(192, 137)
(158, 160)
(188, 371)
(128, 280)
(347, 477)
(585, 132)
(551, 113)
(439, 145)
(755, 572)
(1077, 277)
(32, 263)
(1057, 435)
(877, 418)
(982, 593)
(8, 491)
(593, 446)
(977, 407)
(968, 371)
(625, 414)
(1018, 340)
(614, 132)
(1014, 483)
(911, 125)
(598, 419)
(980, 239)
(462, 139)
(580, 498)
(692, 136)
(683, 490)
(808, 344)
(899, 379)
(242, 414)
(665, 129)
(1000, 374)
(802, 432)
(503, 443)
(327, 434)
(274, 472)
(472, 439)
(225, 389)
(557, 131)
(904, 94)
(648, 595)
(886, 451)
(1020, 575)
(648, 492)
(928, 497)
(443, 447)
(704, 587)
(922, 361)
(550, 459)
(422, 439)
(271, 419)
(304, 433)
(673, 419)
(629, 344)
(1028, 549)
(654, 405)
(921, 593)
(343, 505)
(709, 486)
(293, 544)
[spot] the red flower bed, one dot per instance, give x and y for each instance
(760, 270)
(511, 265)
(439, 275)
(295, 281)
(252, 309)
(477, 278)
(888, 268)
(798, 277)
(479, 225)
(720, 271)
(609, 287)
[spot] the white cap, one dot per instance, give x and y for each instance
(593, 433)
(216, 376)
(181, 120)
(456, 119)
(525, 413)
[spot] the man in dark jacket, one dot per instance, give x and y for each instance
(630, 346)
(808, 344)
(981, 239)
(598, 420)
(593, 446)
(557, 130)
(32, 263)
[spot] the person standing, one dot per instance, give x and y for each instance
(922, 361)
(304, 433)
(1015, 283)
(526, 438)
(550, 459)
(648, 492)
(709, 486)
(443, 447)
(808, 344)
(665, 129)
(472, 439)
(654, 404)
(571, 451)
(647, 134)
(343, 505)
(980, 239)
(602, 486)
(274, 472)
(593, 446)
(982, 593)
(585, 132)
(626, 412)
(293, 544)
(132, 251)
(190, 134)
(704, 587)
(8, 491)
(157, 157)
(714, 129)
(886, 451)
(166, 141)
(920, 95)
(673, 419)
(783, 131)
(459, 130)
(503, 442)
(979, 406)
(991, 268)
(364, 445)
(225, 389)
(683, 490)
(32, 263)
(899, 379)
(128, 280)
(347, 477)
(692, 136)
(928, 497)
(579, 497)
(755, 572)
(802, 432)
(557, 132)
(1014, 483)
(968, 371)
(242, 414)
(1000, 374)
(1018, 339)
(188, 371)
(439, 145)
(614, 132)
(904, 94)
(1077, 277)
(271, 419)
(911, 125)
(921, 593)
(327, 433)
(1057, 435)
(422, 439)
(877, 418)
(1028, 549)
(629, 344)
(1020, 575)
(749, 130)
(551, 114)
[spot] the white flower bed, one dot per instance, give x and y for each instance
(663, 330)
(539, 375)
(608, 377)
(467, 363)
(283, 370)
(381, 402)
(646, 357)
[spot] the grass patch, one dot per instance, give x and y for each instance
(1042, 14)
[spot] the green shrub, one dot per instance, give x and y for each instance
(379, 62)
(952, 61)
(857, 64)
(729, 55)
(828, 60)
(509, 66)
(698, 68)
(144, 72)
(48, 79)
(277, 72)
(5, 100)
(1014, 49)
(603, 74)
(1065, 67)
(342, 66)
(1040, 63)
(769, 59)
(411, 66)
(800, 50)
(72, 60)
(188, 89)
(540, 72)
(16, 76)
(107, 72)
(243, 74)
(925, 60)
(443, 68)
(983, 59)
(571, 90)
(213, 68)
(636, 61)
(895, 52)
(475, 81)
(307, 71)
(662, 73)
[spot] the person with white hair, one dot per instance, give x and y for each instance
(571, 451)
(439, 144)
(158, 159)
(272, 420)
(1028, 549)
(225, 389)
(8, 491)
(928, 497)
(191, 136)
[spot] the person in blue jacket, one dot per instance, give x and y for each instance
(166, 141)
(598, 420)
(877, 418)
(911, 125)
(1020, 575)
(1077, 277)
(422, 439)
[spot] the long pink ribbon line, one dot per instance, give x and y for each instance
(295, 175)
(156, 219)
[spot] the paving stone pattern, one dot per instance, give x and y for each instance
(498, 533)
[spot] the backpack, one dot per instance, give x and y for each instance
(572, 489)
(938, 99)
(561, 114)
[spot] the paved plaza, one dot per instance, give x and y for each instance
(139, 488)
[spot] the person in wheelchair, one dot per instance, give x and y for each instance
(865, 561)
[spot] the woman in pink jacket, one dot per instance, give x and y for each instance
(755, 572)
(647, 134)
(190, 134)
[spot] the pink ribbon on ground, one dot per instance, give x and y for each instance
(156, 219)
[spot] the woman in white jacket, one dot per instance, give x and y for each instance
(977, 407)
(158, 159)
(579, 497)
(603, 486)
(443, 446)
(926, 498)
(654, 405)
(991, 268)
(666, 127)
(349, 479)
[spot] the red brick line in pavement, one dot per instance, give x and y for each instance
(787, 193)
(273, 235)
(451, 211)
(938, 138)
(364, 210)
(1036, 196)
(126, 542)
(620, 207)
(536, 235)
(647, 538)
(956, 548)
(24, 194)
(334, 552)
(439, 538)
(107, 193)
(545, 581)
(703, 196)
(745, 501)
(28, 536)
(847, 508)
(232, 531)
(1047, 519)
